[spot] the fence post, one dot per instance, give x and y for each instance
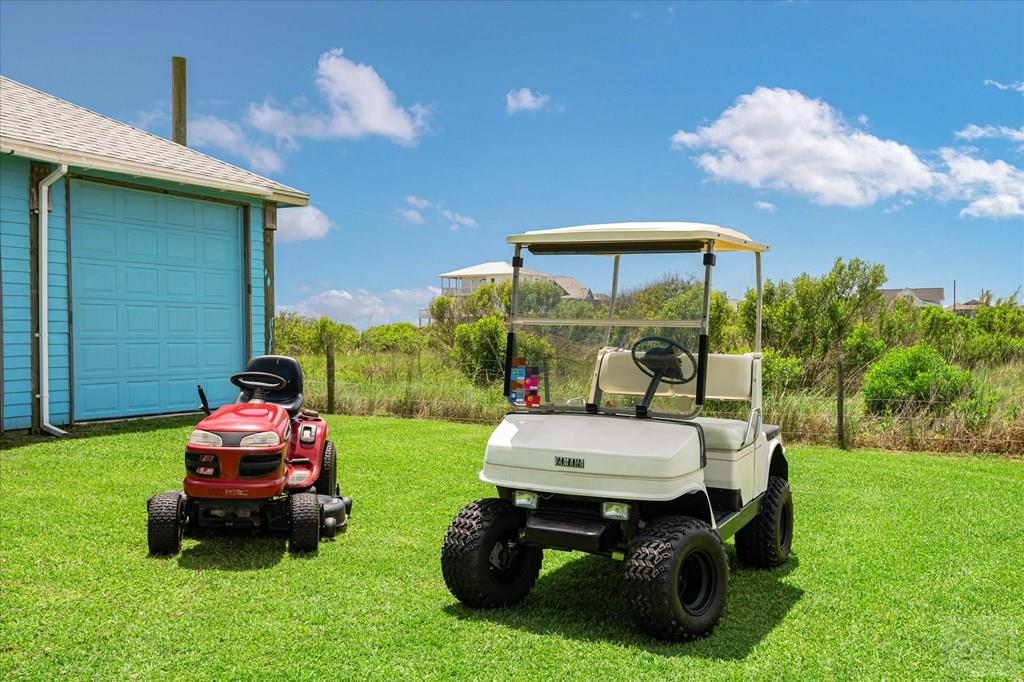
(840, 400)
(330, 377)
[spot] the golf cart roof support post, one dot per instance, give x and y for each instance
(757, 322)
(611, 301)
(44, 300)
(510, 339)
(708, 264)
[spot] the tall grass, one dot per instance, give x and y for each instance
(426, 385)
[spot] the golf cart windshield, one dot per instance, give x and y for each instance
(577, 343)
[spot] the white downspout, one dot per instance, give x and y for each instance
(44, 299)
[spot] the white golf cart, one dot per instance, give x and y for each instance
(604, 450)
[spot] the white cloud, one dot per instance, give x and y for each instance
(301, 224)
(455, 220)
(525, 99)
(1017, 86)
(364, 308)
(148, 119)
(414, 213)
(411, 215)
(976, 132)
(863, 120)
(994, 189)
(210, 131)
(765, 206)
(785, 140)
(359, 104)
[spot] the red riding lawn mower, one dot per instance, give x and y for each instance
(261, 463)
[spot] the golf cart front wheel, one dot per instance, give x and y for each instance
(166, 523)
(765, 542)
(675, 577)
(304, 513)
(483, 562)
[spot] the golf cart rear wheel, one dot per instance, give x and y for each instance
(765, 541)
(166, 523)
(304, 513)
(327, 481)
(483, 563)
(675, 578)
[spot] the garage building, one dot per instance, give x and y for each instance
(156, 272)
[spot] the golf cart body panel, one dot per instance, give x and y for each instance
(591, 455)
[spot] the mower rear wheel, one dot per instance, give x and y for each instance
(327, 481)
(166, 523)
(304, 513)
(483, 562)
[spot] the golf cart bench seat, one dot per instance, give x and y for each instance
(729, 377)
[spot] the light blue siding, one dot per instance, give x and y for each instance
(14, 271)
(256, 278)
(139, 217)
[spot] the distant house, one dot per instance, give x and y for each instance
(463, 282)
(921, 298)
(458, 284)
(131, 267)
(966, 309)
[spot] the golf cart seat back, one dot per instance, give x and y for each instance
(289, 397)
(730, 377)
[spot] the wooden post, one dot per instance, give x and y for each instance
(840, 400)
(330, 377)
(179, 109)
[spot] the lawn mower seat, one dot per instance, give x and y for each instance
(289, 397)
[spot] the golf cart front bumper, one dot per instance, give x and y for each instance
(596, 536)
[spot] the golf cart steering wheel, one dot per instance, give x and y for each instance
(663, 363)
(258, 384)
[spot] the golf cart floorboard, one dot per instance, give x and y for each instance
(729, 522)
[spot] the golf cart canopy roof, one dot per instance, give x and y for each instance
(619, 238)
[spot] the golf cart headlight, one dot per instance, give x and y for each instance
(526, 499)
(616, 511)
(260, 440)
(200, 437)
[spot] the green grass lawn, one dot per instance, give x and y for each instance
(904, 566)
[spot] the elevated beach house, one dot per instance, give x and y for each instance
(131, 267)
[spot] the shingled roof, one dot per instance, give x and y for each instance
(38, 125)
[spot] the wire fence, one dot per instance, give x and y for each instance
(932, 425)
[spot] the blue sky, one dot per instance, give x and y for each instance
(891, 132)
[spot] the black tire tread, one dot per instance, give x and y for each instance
(458, 556)
(304, 533)
(756, 541)
(327, 482)
(164, 529)
(647, 570)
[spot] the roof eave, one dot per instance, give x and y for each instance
(96, 162)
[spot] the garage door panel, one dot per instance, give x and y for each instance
(95, 319)
(151, 319)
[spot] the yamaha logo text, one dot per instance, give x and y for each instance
(570, 462)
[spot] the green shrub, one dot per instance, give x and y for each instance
(862, 347)
(779, 373)
(479, 350)
(400, 337)
(915, 377)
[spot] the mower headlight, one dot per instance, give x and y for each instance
(616, 511)
(260, 440)
(200, 437)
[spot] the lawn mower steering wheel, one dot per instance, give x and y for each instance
(663, 362)
(258, 384)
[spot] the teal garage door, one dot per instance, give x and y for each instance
(157, 301)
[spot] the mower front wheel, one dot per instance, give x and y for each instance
(304, 517)
(166, 523)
